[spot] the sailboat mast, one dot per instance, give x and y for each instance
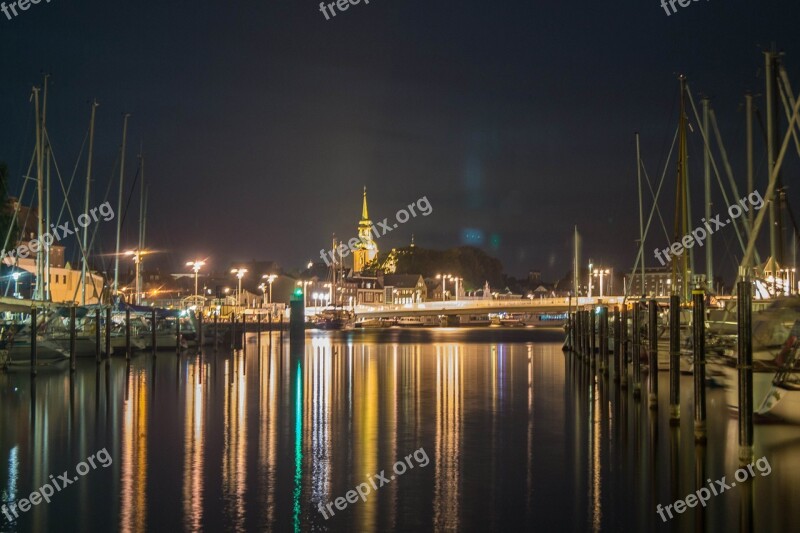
(86, 203)
(748, 98)
(47, 190)
(576, 274)
(119, 201)
(770, 97)
(141, 199)
(39, 293)
(679, 264)
(707, 191)
(641, 215)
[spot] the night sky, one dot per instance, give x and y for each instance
(262, 121)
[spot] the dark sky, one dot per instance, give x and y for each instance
(261, 121)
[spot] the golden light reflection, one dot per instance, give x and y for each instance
(194, 449)
(317, 418)
(449, 406)
(365, 430)
(268, 430)
(134, 455)
(234, 455)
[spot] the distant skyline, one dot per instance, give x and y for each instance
(261, 123)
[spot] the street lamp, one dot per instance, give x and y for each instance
(457, 279)
(600, 272)
(240, 272)
(16, 275)
(590, 278)
(305, 284)
(196, 264)
(137, 259)
(444, 278)
(270, 278)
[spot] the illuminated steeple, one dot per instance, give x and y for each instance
(365, 250)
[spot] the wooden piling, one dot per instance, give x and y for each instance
(603, 355)
(97, 337)
(674, 359)
(617, 343)
(652, 331)
(127, 334)
(34, 348)
(699, 343)
(154, 329)
(745, 308)
(178, 335)
(108, 332)
(636, 346)
(216, 331)
(592, 338)
(72, 327)
(199, 330)
(623, 367)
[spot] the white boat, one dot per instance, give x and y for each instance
(410, 322)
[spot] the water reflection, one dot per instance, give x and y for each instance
(519, 438)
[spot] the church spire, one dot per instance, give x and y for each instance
(364, 213)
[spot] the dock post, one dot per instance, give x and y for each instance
(652, 331)
(200, 331)
(674, 359)
(603, 355)
(592, 338)
(178, 334)
(623, 366)
(154, 325)
(72, 326)
(258, 333)
(127, 334)
(745, 304)
(97, 337)
(699, 342)
(216, 334)
(617, 342)
(34, 348)
(233, 331)
(636, 345)
(108, 332)
(280, 325)
(578, 335)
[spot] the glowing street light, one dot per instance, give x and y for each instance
(600, 272)
(444, 278)
(16, 275)
(240, 272)
(196, 267)
(270, 278)
(137, 259)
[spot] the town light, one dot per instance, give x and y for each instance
(196, 264)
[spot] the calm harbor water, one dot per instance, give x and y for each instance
(510, 435)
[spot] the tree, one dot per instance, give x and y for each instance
(6, 213)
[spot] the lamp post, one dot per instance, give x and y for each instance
(263, 288)
(457, 279)
(137, 260)
(196, 264)
(16, 275)
(590, 278)
(240, 272)
(270, 278)
(600, 272)
(444, 278)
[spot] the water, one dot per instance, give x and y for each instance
(504, 432)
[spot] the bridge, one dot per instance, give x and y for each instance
(476, 307)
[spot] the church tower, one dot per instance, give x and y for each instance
(366, 249)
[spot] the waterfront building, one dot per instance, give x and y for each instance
(657, 282)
